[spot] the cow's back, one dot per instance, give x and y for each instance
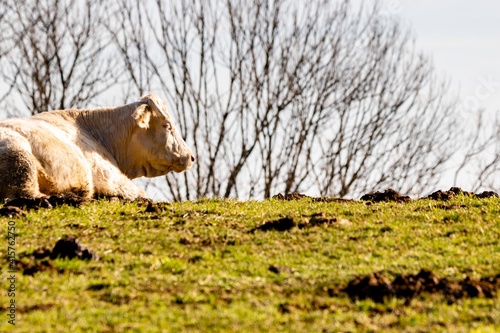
(60, 164)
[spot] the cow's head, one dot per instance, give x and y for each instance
(162, 147)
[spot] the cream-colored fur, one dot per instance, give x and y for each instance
(90, 152)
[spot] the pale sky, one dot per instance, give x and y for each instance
(463, 38)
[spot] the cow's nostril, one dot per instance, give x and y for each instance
(192, 158)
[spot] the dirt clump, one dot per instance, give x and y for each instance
(442, 195)
(156, 207)
(36, 307)
(386, 196)
(299, 196)
(30, 267)
(317, 220)
(140, 200)
(390, 195)
(280, 269)
(11, 212)
(487, 194)
(69, 199)
(149, 205)
(374, 286)
(407, 286)
(288, 223)
(459, 191)
(41, 252)
(290, 196)
(153, 208)
(282, 224)
(35, 262)
(454, 191)
(29, 204)
(320, 219)
(69, 247)
(40, 260)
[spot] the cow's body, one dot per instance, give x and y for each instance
(89, 152)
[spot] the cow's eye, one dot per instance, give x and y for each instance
(167, 126)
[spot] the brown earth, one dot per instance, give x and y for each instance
(11, 212)
(69, 247)
(441, 195)
(407, 286)
(29, 308)
(16, 207)
(487, 194)
(450, 194)
(287, 223)
(30, 267)
(41, 259)
(390, 195)
(49, 202)
(276, 269)
(387, 195)
(283, 224)
(298, 196)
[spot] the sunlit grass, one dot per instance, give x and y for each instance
(200, 266)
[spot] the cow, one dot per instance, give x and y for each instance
(90, 153)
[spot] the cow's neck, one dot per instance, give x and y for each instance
(113, 129)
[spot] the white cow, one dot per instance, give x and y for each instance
(90, 152)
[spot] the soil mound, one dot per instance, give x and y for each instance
(276, 269)
(386, 196)
(374, 286)
(34, 266)
(299, 196)
(487, 194)
(283, 224)
(320, 219)
(25, 203)
(156, 207)
(11, 212)
(314, 220)
(407, 286)
(458, 190)
(48, 202)
(454, 191)
(441, 195)
(290, 196)
(69, 247)
(41, 259)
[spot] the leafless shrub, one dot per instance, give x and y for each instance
(280, 96)
(58, 56)
(481, 153)
(273, 96)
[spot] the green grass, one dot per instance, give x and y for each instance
(196, 267)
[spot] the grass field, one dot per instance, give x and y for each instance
(211, 266)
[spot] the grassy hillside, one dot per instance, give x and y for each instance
(270, 266)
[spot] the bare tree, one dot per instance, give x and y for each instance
(130, 34)
(182, 55)
(481, 154)
(3, 36)
(58, 58)
(273, 96)
(287, 96)
(391, 122)
(5, 42)
(5, 13)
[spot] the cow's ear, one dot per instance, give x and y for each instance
(142, 115)
(156, 105)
